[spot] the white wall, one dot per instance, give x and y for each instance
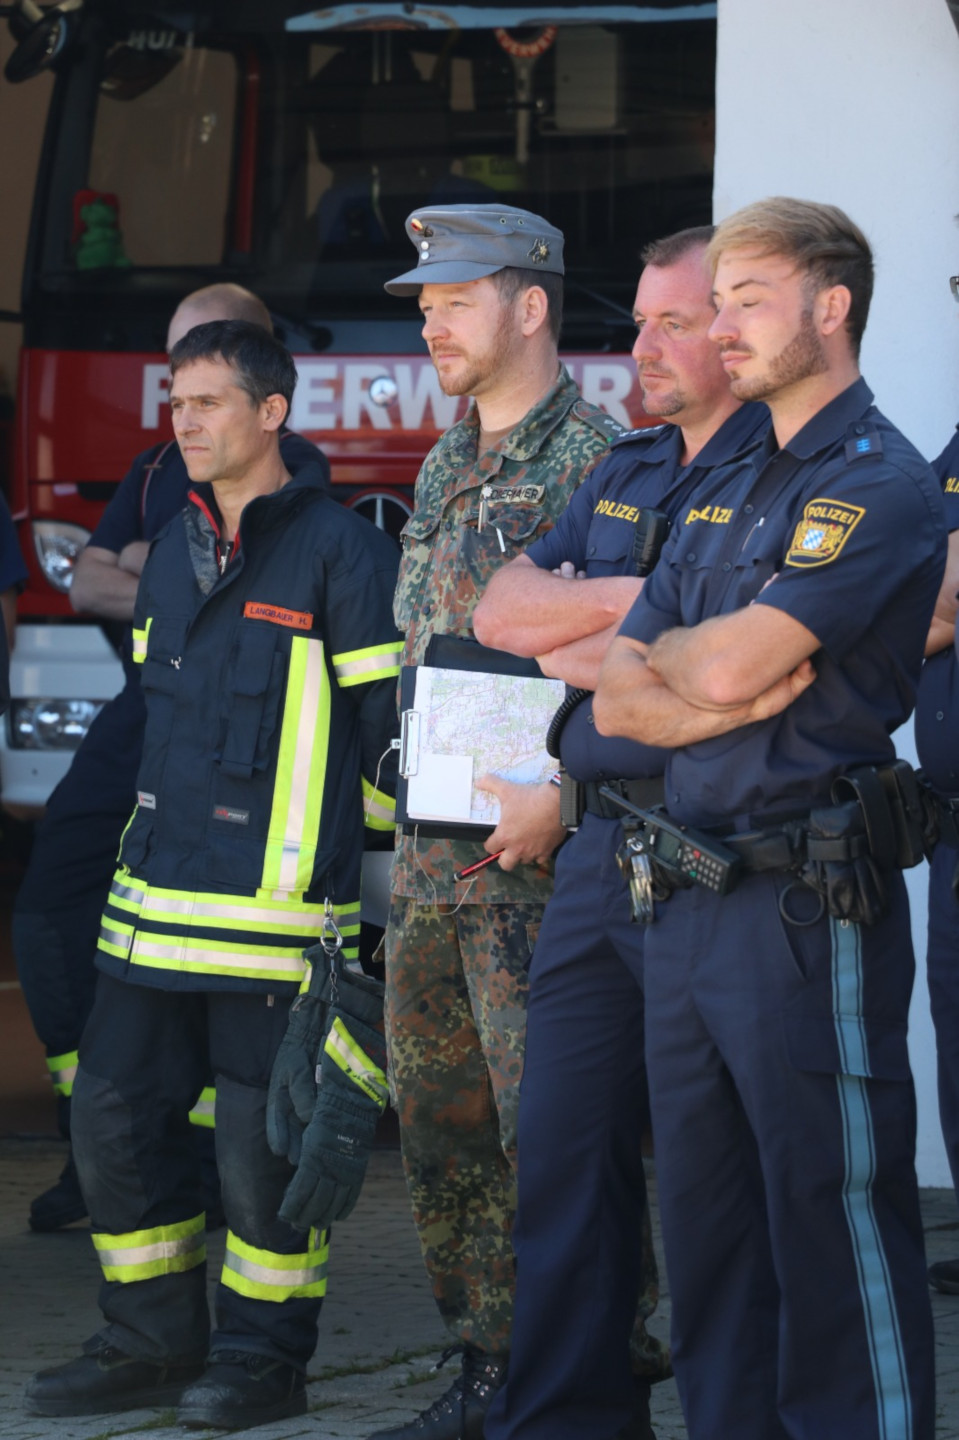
(856, 102)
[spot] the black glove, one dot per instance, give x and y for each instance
(291, 1098)
(840, 868)
(351, 1096)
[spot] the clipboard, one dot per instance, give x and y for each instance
(451, 715)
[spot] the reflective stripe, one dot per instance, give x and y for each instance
(881, 1320)
(63, 1071)
(379, 809)
(376, 662)
(225, 957)
(300, 771)
(143, 1254)
(234, 912)
(140, 641)
(353, 1060)
(203, 1111)
(115, 940)
(287, 920)
(267, 1275)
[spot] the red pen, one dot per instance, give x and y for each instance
(477, 865)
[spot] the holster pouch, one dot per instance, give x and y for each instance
(572, 801)
(840, 864)
(897, 819)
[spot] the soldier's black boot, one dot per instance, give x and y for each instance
(240, 1389)
(460, 1413)
(61, 1205)
(105, 1380)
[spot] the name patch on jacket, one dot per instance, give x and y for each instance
(292, 619)
(952, 485)
(517, 494)
(825, 527)
(230, 813)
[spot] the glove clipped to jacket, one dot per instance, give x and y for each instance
(291, 1098)
(349, 1090)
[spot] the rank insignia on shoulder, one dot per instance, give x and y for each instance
(599, 420)
(822, 532)
(644, 432)
(862, 439)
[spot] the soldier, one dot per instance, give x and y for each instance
(490, 291)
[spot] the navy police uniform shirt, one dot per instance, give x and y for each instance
(849, 519)
(937, 707)
(596, 532)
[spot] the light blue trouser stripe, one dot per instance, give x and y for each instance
(883, 1337)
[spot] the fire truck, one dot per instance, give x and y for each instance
(282, 147)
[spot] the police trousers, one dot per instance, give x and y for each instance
(456, 988)
(144, 1059)
(586, 1275)
(942, 969)
(784, 1117)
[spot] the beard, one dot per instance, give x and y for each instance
(474, 370)
(667, 403)
(803, 357)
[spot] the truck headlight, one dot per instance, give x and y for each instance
(50, 724)
(58, 544)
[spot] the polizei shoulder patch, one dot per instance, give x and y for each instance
(822, 532)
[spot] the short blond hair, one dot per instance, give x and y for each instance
(822, 240)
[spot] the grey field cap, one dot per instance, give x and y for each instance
(457, 243)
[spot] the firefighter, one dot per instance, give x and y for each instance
(56, 917)
(268, 655)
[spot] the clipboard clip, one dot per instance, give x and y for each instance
(409, 760)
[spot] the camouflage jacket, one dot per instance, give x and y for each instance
(447, 562)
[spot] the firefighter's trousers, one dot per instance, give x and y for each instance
(143, 1063)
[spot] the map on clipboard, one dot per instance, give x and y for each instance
(458, 725)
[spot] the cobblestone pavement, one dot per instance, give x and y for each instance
(379, 1332)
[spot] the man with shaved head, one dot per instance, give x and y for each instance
(56, 918)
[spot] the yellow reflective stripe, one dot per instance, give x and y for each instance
(143, 1254)
(353, 1060)
(140, 641)
(115, 938)
(300, 771)
(233, 912)
(203, 1111)
(376, 662)
(212, 957)
(267, 1275)
(379, 809)
(63, 1071)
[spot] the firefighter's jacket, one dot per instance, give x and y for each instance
(270, 692)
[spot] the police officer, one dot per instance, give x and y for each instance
(583, 1097)
(56, 917)
(489, 284)
(937, 716)
(269, 663)
(776, 647)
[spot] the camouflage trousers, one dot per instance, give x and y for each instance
(456, 997)
(456, 992)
